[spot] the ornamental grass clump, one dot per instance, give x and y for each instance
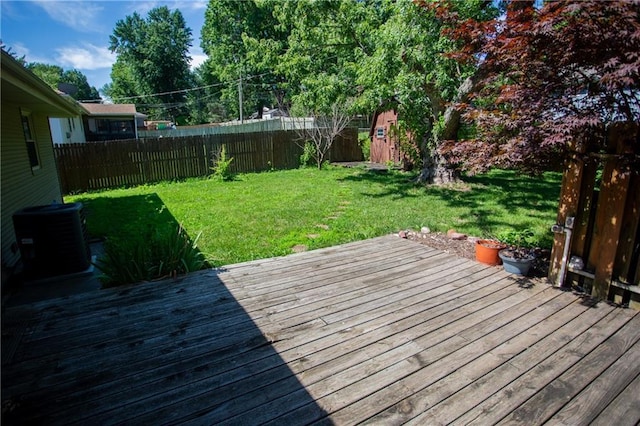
(148, 256)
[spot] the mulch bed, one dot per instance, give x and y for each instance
(466, 248)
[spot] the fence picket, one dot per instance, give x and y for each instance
(102, 165)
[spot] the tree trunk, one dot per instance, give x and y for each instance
(435, 170)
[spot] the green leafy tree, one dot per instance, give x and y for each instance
(79, 80)
(153, 59)
(244, 40)
(372, 52)
(50, 74)
(409, 70)
(54, 76)
(123, 82)
(205, 105)
(327, 41)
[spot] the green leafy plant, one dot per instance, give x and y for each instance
(149, 256)
(365, 145)
(308, 156)
(222, 165)
(400, 133)
(520, 243)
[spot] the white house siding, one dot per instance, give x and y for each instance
(67, 130)
(21, 187)
(57, 130)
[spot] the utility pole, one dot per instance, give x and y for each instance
(240, 96)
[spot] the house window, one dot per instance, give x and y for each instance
(380, 132)
(102, 126)
(30, 139)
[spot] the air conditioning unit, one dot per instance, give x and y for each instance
(52, 240)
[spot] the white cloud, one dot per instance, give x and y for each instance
(85, 57)
(81, 16)
(143, 7)
(197, 57)
(22, 50)
(192, 5)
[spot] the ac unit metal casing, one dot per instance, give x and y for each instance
(52, 240)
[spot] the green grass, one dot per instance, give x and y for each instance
(261, 215)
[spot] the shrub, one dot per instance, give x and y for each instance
(308, 157)
(365, 144)
(222, 165)
(148, 256)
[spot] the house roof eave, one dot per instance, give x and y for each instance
(21, 86)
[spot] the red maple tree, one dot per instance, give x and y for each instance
(544, 75)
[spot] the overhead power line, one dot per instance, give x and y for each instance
(169, 93)
(183, 90)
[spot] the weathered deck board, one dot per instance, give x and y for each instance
(624, 409)
(383, 331)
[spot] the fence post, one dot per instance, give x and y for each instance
(611, 206)
(570, 195)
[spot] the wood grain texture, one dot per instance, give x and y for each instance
(383, 331)
(624, 410)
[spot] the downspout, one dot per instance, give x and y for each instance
(567, 230)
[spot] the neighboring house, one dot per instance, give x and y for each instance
(107, 122)
(28, 167)
(273, 113)
(268, 114)
(67, 130)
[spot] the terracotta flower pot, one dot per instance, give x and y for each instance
(487, 251)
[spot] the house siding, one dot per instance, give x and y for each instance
(62, 132)
(22, 187)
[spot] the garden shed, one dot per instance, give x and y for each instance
(384, 147)
(390, 139)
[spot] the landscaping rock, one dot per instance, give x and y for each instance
(451, 233)
(425, 230)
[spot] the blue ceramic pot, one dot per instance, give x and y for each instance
(514, 265)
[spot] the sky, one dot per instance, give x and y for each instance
(75, 33)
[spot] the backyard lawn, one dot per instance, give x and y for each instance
(261, 215)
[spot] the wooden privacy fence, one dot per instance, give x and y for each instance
(100, 165)
(601, 189)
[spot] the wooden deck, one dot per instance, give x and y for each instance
(383, 331)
